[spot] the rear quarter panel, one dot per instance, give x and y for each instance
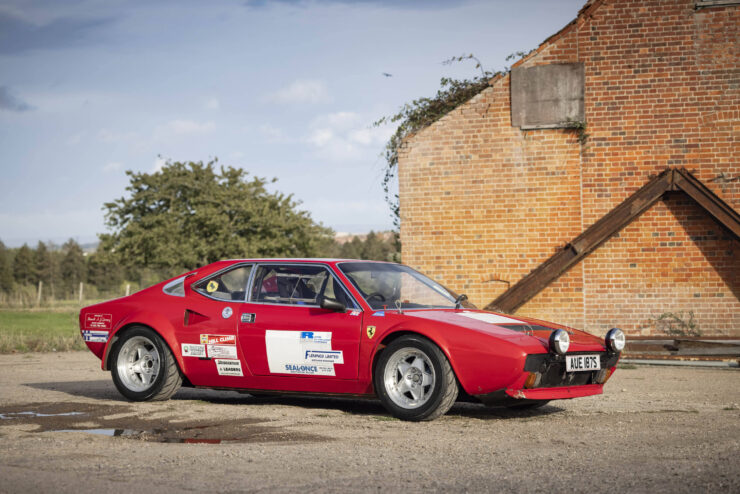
(160, 312)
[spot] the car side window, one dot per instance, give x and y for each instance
(229, 285)
(293, 285)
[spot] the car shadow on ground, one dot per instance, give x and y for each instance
(105, 390)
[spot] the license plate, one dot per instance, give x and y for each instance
(582, 363)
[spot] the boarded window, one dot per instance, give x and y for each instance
(547, 96)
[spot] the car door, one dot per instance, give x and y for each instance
(209, 332)
(284, 332)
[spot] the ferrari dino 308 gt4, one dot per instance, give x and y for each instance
(346, 327)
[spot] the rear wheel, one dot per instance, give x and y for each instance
(143, 367)
(414, 379)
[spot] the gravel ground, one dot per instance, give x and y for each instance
(656, 429)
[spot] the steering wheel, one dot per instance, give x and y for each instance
(377, 295)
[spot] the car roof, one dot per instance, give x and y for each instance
(302, 259)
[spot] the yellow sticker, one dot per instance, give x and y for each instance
(370, 332)
(212, 286)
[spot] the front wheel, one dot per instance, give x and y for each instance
(414, 379)
(144, 368)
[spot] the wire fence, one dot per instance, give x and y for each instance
(44, 297)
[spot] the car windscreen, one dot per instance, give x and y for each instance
(385, 285)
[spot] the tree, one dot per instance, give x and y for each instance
(6, 271)
(73, 265)
(375, 247)
(104, 271)
(189, 214)
(23, 266)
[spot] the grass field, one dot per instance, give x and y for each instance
(34, 330)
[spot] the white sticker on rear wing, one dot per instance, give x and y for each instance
(491, 318)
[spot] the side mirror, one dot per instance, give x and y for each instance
(329, 304)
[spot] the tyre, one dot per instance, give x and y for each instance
(143, 367)
(528, 405)
(414, 379)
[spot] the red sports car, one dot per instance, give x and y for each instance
(339, 327)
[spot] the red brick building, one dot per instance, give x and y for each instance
(496, 194)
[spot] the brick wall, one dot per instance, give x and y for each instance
(483, 203)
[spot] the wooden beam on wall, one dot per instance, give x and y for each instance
(610, 224)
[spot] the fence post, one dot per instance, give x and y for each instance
(38, 297)
(128, 289)
(81, 285)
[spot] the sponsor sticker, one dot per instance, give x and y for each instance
(229, 367)
(315, 338)
(324, 356)
(370, 332)
(301, 352)
(222, 351)
(309, 369)
(94, 336)
(98, 321)
(379, 313)
(218, 339)
(226, 313)
(354, 313)
(192, 350)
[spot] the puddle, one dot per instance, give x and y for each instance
(119, 421)
(15, 415)
(154, 436)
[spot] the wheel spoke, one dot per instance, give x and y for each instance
(402, 386)
(427, 379)
(418, 363)
(403, 368)
(415, 393)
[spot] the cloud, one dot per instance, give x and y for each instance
(18, 35)
(184, 127)
(344, 136)
(271, 133)
(110, 136)
(394, 4)
(301, 91)
(212, 104)
(159, 163)
(111, 167)
(10, 102)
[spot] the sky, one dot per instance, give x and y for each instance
(283, 89)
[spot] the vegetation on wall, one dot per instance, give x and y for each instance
(422, 112)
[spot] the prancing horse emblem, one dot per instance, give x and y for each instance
(370, 332)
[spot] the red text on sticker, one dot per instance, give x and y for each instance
(217, 339)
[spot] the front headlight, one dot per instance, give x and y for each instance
(615, 340)
(559, 341)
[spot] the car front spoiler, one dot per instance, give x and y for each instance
(509, 396)
(559, 393)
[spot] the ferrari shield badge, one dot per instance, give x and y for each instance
(212, 286)
(370, 332)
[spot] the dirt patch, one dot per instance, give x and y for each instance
(655, 429)
(123, 421)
